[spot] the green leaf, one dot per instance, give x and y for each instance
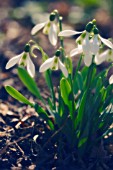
(81, 110)
(47, 78)
(84, 72)
(82, 141)
(65, 90)
(29, 82)
(66, 94)
(78, 82)
(69, 65)
(17, 95)
(43, 114)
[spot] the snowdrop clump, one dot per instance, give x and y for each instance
(83, 107)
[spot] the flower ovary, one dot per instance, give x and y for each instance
(52, 16)
(96, 31)
(58, 52)
(27, 48)
(89, 27)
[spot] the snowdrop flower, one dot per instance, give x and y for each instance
(54, 63)
(24, 60)
(50, 28)
(83, 43)
(88, 42)
(87, 47)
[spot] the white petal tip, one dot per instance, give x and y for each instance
(67, 33)
(37, 28)
(111, 80)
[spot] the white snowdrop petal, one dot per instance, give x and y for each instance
(94, 45)
(86, 44)
(111, 80)
(37, 28)
(88, 59)
(53, 34)
(30, 66)
(63, 68)
(75, 52)
(106, 42)
(47, 64)
(99, 58)
(13, 61)
(67, 33)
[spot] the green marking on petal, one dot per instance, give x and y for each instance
(22, 64)
(83, 35)
(46, 28)
(110, 52)
(56, 60)
(53, 68)
(24, 56)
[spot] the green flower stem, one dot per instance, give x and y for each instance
(89, 76)
(51, 89)
(73, 111)
(78, 66)
(60, 27)
(72, 97)
(88, 84)
(61, 38)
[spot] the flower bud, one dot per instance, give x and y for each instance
(94, 21)
(89, 27)
(52, 16)
(55, 11)
(60, 18)
(27, 48)
(58, 52)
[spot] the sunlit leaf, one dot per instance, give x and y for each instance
(29, 82)
(17, 95)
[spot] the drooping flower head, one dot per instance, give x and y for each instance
(23, 59)
(54, 63)
(50, 28)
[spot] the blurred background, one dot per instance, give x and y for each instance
(17, 17)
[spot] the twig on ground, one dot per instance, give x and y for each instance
(2, 151)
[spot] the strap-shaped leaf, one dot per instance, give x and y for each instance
(66, 94)
(48, 79)
(81, 110)
(29, 82)
(65, 90)
(78, 82)
(17, 95)
(43, 114)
